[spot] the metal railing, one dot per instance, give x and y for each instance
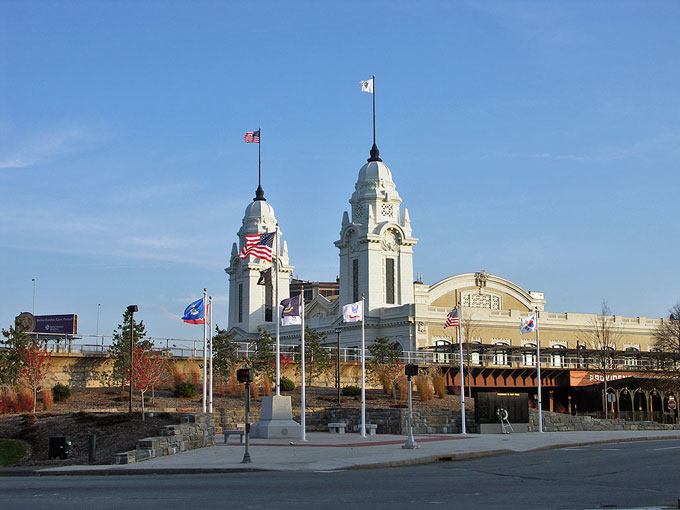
(481, 356)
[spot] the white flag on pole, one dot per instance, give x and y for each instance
(367, 86)
(353, 312)
(527, 325)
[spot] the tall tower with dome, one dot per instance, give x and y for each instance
(252, 305)
(376, 244)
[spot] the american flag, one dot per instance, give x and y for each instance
(259, 245)
(252, 137)
(452, 319)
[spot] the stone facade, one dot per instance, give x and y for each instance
(194, 431)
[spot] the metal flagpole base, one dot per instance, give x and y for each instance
(410, 444)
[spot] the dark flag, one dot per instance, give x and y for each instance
(265, 277)
(290, 314)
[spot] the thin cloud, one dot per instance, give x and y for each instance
(664, 142)
(45, 146)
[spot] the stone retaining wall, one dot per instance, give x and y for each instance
(194, 431)
(392, 420)
(556, 422)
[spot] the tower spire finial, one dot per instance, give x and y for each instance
(375, 153)
(259, 193)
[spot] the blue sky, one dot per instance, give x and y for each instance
(537, 140)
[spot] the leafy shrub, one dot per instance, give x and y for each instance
(287, 384)
(351, 391)
(61, 392)
(185, 389)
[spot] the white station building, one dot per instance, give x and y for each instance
(376, 245)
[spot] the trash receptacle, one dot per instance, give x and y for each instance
(59, 447)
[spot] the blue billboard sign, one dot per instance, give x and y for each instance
(58, 324)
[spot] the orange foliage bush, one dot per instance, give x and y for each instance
(8, 401)
(438, 382)
(47, 399)
(402, 384)
(386, 382)
(266, 387)
(423, 387)
(25, 402)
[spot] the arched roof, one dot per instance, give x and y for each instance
(493, 283)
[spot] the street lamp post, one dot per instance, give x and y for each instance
(338, 331)
(132, 309)
(33, 280)
(410, 370)
(99, 306)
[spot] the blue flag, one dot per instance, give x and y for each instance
(194, 313)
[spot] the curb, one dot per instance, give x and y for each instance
(430, 459)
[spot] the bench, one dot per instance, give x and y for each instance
(337, 428)
(240, 433)
(371, 428)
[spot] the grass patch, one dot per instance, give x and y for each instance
(11, 452)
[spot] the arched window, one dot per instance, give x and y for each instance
(443, 350)
(630, 359)
(500, 356)
(529, 354)
(475, 358)
(557, 358)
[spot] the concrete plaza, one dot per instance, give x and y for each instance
(328, 452)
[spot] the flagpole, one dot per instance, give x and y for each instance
(302, 366)
(259, 158)
(210, 394)
(462, 377)
(374, 109)
(205, 346)
(278, 320)
(363, 368)
(538, 375)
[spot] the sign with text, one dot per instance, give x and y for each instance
(58, 324)
(588, 377)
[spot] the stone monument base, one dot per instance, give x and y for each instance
(276, 419)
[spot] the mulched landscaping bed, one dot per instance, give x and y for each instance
(102, 411)
(115, 433)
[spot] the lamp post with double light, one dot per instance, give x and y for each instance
(338, 331)
(132, 309)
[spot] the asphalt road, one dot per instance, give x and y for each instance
(620, 475)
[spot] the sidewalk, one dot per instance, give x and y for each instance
(327, 452)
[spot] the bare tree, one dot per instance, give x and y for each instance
(470, 330)
(601, 337)
(667, 339)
